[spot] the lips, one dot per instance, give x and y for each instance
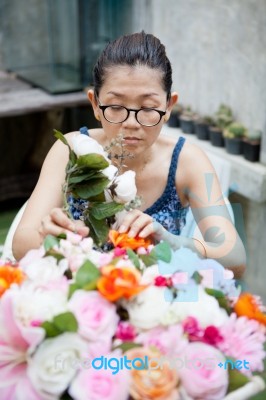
(131, 138)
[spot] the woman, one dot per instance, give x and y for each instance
(132, 96)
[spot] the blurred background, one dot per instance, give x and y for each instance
(218, 54)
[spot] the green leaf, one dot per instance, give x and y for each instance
(197, 277)
(87, 274)
(81, 177)
(98, 229)
(148, 259)
(59, 135)
(221, 298)
(93, 161)
(162, 251)
(66, 322)
(133, 257)
(215, 293)
(49, 242)
(236, 379)
(93, 188)
(55, 254)
(91, 285)
(50, 329)
(105, 210)
(125, 346)
(72, 288)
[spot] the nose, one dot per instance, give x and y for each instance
(131, 120)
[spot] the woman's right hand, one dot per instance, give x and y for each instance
(57, 222)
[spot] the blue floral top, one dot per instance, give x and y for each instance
(167, 210)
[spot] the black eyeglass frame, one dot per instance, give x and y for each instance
(136, 111)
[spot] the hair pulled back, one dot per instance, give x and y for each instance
(132, 50)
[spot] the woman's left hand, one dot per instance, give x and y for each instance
(137, 223)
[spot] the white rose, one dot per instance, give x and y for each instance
(83, 144)
(206, 310)
(33, 303)
(126, 189)
(55, 363)
(148, 308)
(110, 172)
(45, 269)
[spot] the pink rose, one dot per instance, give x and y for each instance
(200, 374)
(97, 318)
(99, 384)
(169, 340)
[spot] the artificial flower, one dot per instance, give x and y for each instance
(118, 282)
(122, 240)
(99, 384)
(244, 340)
(97, 318)
(125, 187)
(200, 374)
(247, 305)
(9, 275)
(83, 144)
(157, 382)
(54, 364)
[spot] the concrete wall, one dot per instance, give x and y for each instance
(218, 51)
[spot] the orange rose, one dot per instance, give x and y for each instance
(8, 275)
(124, 241)
(157, 382)
(248, 306)
(119, 282)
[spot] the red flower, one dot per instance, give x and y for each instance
(212, 335)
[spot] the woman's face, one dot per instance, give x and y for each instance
(132, 87)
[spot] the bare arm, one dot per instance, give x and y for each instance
(43, 213)
(197, 183)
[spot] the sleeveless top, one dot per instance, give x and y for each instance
(167, 210)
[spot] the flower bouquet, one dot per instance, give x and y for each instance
(132, 320)
(139, 321)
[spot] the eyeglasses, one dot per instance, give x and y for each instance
(144, 116)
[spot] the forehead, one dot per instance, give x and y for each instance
(136, 79)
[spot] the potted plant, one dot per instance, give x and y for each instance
(234, 134)
(252, 145)
(187, 119)
(174, 117)
(202, 127)
(222, 118)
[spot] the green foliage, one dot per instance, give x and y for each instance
(85, 180)
(65, 322)
(235, 130)
(236, 379)
(223, 117)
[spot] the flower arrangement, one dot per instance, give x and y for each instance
(99, 190)
(138, 321)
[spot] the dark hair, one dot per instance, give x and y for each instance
(135, 49)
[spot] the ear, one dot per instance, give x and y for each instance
(171, 102)
(94, 103)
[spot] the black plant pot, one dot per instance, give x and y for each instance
(187, 125)
(174, 120)
(202, 131)
(252, 151)
(234, 145)
(216, 136)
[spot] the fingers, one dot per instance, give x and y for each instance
(137, 223)
(57, 222)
